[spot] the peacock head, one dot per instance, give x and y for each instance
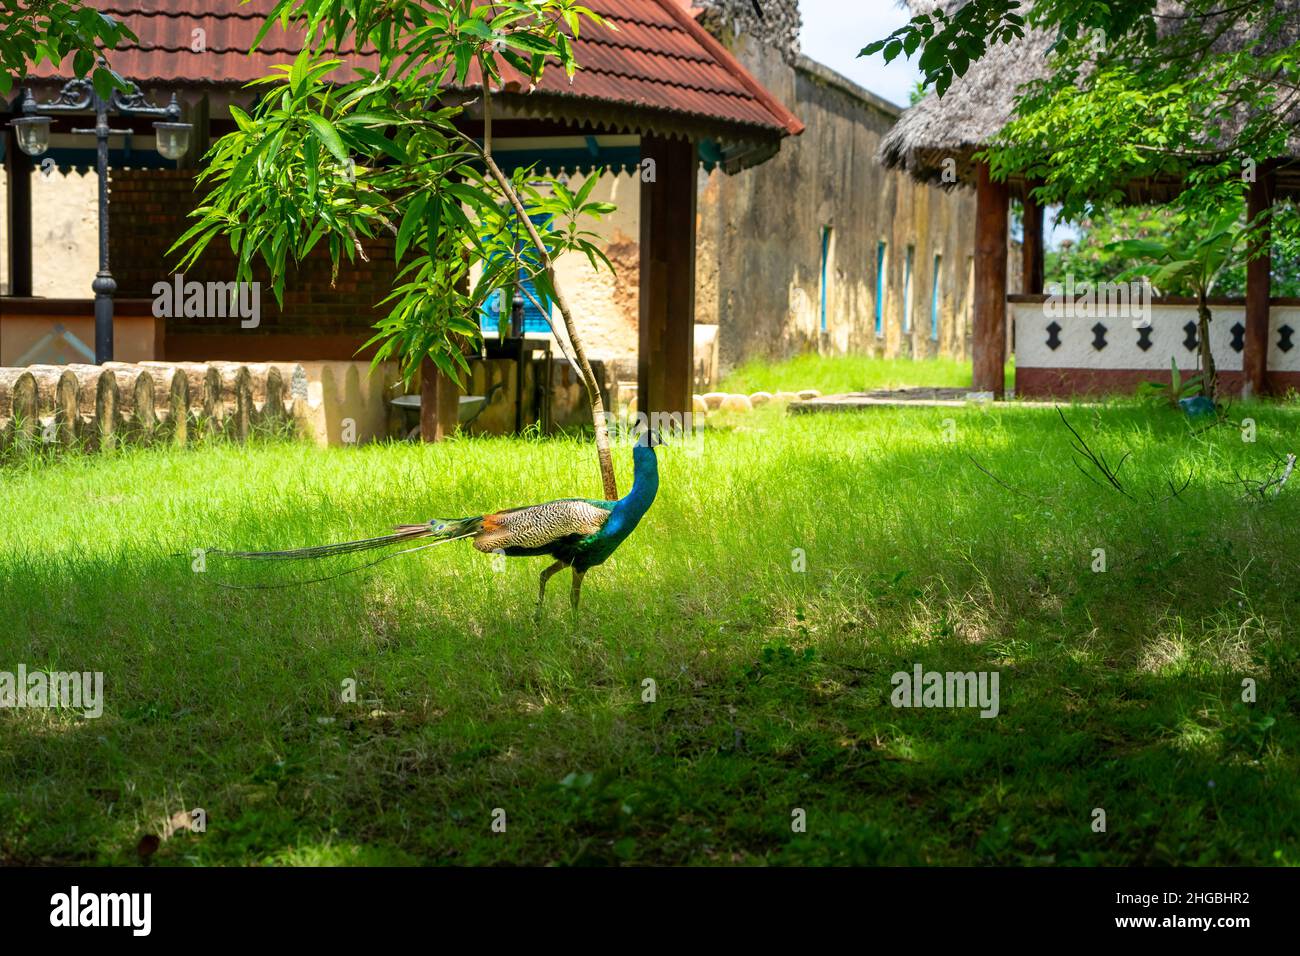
(643, 454)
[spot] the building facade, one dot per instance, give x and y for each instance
(824, 249)
(820, 248)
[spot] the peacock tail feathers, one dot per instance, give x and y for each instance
(447, 530)
(321, 551)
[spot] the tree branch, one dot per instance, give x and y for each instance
(575, 340)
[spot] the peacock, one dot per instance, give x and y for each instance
(578, 533)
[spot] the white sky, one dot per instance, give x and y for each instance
(835, 30)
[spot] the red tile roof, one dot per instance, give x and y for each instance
(658, 60)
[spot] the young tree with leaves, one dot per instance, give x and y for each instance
(1098, 255)
(325, 160)
(1191, 260)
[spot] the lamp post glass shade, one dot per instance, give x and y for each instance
(173, 139)
(33, 134)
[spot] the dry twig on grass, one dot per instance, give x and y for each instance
(1011, 488)
(1264, 489)
(1109, 474)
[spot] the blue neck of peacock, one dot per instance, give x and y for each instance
(631, 508)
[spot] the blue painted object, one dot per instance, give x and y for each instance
(880, 288)
(1196, 406)
(934, 300)
(536, 321)
(826, 254)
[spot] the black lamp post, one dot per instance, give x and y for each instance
(79, 96)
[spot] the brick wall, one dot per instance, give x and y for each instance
(148, 212)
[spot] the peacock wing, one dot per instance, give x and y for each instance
(538, 526)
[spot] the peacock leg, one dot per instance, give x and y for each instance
(577, 587)
(546, 576)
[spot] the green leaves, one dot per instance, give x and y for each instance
(950, 42)
(464, 57)
(50, 32)
(105, 80)
(1190, 254)
(413, 220)
(298, 72)
(325, 167)
(1177, 387)
(532, 43)
(328, 135)
(83, 61)
(1127, 103)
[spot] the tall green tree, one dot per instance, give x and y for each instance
(1205, 94)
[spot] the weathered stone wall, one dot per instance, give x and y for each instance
(103, 407)
(761, 232)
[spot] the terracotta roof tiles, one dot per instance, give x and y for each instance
(658, 59)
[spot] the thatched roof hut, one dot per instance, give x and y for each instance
(974, 109)
(978, 105)
(936, 141)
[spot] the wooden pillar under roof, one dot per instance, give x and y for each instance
(989, 345)
(1032, 246)
(197, 113)
(18, 206)
(665, 356)
(1254, 358)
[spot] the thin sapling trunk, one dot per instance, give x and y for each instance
(1209, 385)
(575, 340)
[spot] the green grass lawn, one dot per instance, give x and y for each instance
(1118, 690)
(849, 373)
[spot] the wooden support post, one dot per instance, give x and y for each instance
(1254, 359)
(18, 229)
(989, 346)
(1032, 247)
(665, 357)
(197, 115)
(439, 403)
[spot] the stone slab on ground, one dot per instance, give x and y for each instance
(895, 397)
